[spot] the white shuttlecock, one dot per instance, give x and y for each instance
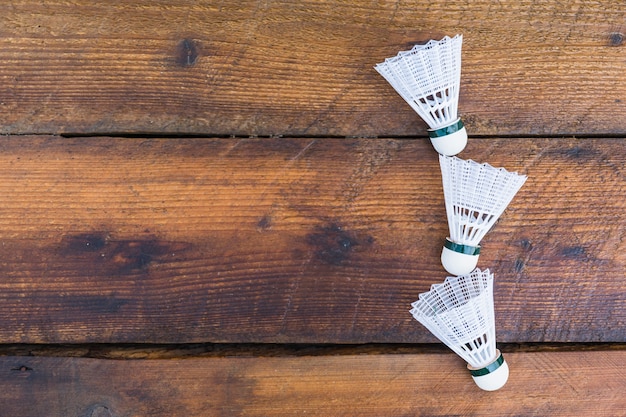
(475, 196)
(428, 78)
(460, 313)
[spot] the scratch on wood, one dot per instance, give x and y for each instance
(292, 291)
(233, 147)
(356, 307)
(538, 156)
(299, 154)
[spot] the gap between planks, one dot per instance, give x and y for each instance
(190, 350)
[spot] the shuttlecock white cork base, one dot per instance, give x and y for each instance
(493, 376)
(459, 259)
(449, 140)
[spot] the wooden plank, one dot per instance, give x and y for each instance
(295, 240)
(304, 68)
(555, 384)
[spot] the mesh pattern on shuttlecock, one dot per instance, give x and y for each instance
(475, 196)
(460, 313)
(428, 77)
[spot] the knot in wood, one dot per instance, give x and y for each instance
(616, 39)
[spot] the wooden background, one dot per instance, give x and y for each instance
(220, 208)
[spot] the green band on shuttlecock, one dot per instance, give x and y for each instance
(445, 131)
(489, 368)
(464, 249)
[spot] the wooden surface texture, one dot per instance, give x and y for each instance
(306, 67)
(226, 188)
(295, 240)
(541, 384)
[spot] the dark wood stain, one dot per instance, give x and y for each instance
(119, 256)
(265, 222)
(580, 153)
(526, 244)
(187, 53)
(87, 242)
(574, 252)
(333, 245)
(91, 304)
(616, 39)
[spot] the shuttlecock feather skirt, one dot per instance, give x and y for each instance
(475, 196)
(460, 313)
(428, 78)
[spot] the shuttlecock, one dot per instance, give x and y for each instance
(428, 77)
(460, 313)
(475, 197)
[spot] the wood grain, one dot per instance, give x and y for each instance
(304, 68)
(295, 240)
(555, 384)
